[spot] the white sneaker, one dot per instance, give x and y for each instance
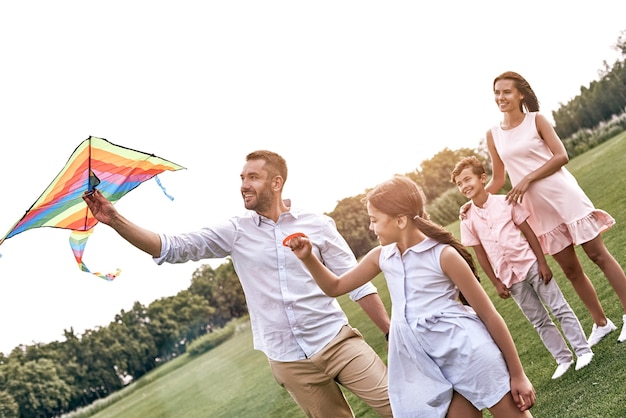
(583, 360)
(622, 335)
(597, 333)
(561, 369)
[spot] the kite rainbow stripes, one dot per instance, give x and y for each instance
(96, 163)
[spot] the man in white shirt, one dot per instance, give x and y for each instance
(304, 333)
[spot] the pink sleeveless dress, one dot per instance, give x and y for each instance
(560, 212)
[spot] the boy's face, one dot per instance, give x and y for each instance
(470, 184)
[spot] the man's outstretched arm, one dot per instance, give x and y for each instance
(104, 211)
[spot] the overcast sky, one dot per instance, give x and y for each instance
(349, 92)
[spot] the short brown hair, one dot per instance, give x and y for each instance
(468, 162)
(274, 163)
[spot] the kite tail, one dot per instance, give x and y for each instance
(78, 241)
(163, 188)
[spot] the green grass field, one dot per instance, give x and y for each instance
(233, 380)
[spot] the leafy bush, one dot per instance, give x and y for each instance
(445, 209)
(8, 407)
(211, 340)
(585, 139)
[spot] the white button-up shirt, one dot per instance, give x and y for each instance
(292, 319)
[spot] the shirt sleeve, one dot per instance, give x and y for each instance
(468, 238)
(210, 242)
(339, 258)
(518, 213)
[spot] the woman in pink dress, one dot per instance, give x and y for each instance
(526, 146)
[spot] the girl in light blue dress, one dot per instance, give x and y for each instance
(445, 359)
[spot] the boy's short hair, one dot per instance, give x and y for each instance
(468, 162)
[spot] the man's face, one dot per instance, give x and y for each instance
(256, 186)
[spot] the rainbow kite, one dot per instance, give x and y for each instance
(96, 163)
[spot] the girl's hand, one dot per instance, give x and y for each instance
(523, 392)
(300, 244)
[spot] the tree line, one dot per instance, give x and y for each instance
(599, 102)
(47, 380)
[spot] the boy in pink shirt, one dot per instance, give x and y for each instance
(516, 266)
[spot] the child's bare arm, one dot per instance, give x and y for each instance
(455, 267)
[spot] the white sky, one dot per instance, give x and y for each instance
(349, 92)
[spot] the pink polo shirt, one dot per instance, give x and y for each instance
(495, 227)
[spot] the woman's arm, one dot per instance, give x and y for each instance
(554, 143)
(498, 177)
(559, 159)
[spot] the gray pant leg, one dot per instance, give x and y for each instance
(554, 300)
(527, 298)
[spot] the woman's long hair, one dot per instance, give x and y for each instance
(530, 101)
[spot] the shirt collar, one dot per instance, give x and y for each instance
(392, 250)
(291, 212)
(486, 202)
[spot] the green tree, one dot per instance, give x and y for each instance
(445, 208)
(75, 369)
(352, 222)
(164, 328)
(98, 354)
(176, 320)
(433, 176)
(8, 407)
(66, 364)
(222, 290)
(37, 388)
(594, 106)
(135, 347)
(192, 312)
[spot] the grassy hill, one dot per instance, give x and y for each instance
(233, 380)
